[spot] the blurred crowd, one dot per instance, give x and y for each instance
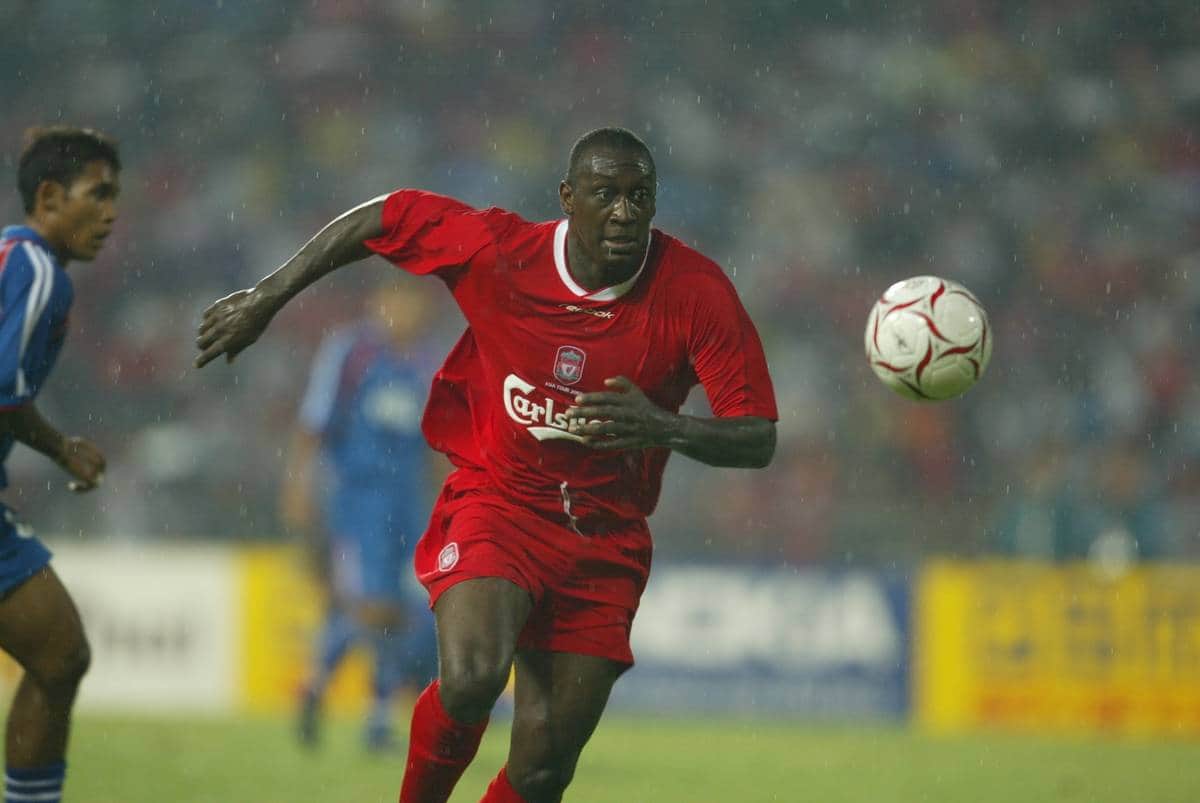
(1046, 155)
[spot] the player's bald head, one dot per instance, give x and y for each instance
(610, 141)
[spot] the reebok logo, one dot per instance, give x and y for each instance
(595, 313)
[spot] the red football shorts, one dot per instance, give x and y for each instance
(585, 588)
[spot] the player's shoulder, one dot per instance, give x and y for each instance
(338, 342)
(686, 270)
(515, 228)
(23, 260)
(432, 203)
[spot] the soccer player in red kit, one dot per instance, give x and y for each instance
(559, 408)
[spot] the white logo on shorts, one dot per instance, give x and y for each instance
(448, 557)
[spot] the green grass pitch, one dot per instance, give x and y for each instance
(632, 760)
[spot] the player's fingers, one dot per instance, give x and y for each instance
(599, 398)
(605, 428)
(210, 354)
(212, 315)
(594, 411)
(208, 337)
(620, 383)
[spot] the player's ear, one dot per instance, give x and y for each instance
(49, 196)
(566, 197)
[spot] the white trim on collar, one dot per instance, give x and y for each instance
(608, 293)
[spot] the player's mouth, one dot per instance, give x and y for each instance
(620, 244)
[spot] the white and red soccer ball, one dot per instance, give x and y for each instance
(928, 338)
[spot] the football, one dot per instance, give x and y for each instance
(928, 338)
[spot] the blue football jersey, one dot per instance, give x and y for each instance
(35, 300)
(365, 400)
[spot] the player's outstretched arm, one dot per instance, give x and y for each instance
(624, 418)
(234, 322)
(78, 457)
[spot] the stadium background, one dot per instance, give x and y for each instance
(1043, 154)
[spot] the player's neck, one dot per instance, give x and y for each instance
(48, 233)
(592, 276)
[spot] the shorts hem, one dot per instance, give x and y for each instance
(441, 585)
(12, 582)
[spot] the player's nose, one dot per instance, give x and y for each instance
(623, 211)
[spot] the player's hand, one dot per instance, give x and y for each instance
(84, 461)
(232, 323)
(622, 418)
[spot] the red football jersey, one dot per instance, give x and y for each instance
(535, 338)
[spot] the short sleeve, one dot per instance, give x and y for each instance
(24, 292)
(726, 353)
(324, 381)
(427, 233)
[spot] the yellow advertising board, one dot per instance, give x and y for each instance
(282, 612)
(1034, 646)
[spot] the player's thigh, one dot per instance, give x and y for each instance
(559, 700)
(478, 622)
(40, 626)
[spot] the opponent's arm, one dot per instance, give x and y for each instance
(78, 457)
(234, 322)
(624, 418)
(297, 502)
(296, 496)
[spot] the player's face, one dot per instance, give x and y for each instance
(79, 218)
(402, 311)
(610, 202)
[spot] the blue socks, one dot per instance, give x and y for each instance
(337, 634)
(40, 785)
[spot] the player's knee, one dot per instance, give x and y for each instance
(61, 668)
(469, 688)
(544, 781)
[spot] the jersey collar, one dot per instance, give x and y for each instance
(611, 293)
(25, 233)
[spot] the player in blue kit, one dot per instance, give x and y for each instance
(358, 453)
(68, 180)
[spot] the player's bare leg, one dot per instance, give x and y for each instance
(559, 700)
(40, 628)
(478, 622)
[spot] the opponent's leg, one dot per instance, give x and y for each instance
(40, 628)
(478, 622)
(384, 623)
(559, 700)
(338, 632)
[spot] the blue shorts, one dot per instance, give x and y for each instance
(22, 555)
(370, 569)
(371, 547)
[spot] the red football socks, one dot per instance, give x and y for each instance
(501, 791)
(439, 750)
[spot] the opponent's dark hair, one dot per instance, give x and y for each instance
(60, 153)
(608, 137)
